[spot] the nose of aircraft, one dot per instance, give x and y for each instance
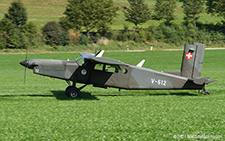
(24, 63)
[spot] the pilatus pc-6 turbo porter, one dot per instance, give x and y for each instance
(106, 72)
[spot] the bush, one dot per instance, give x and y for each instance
(84, 40)
(11, 36)
(34, 38)
(17, 39)
(167, 34)
(3, 41)
(74, 36)
(6, 27)
(54, 35)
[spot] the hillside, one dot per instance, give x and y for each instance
(43, 11)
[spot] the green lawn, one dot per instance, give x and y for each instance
(42, 11)
(40, 110)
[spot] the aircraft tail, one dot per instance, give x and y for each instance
(192, 60)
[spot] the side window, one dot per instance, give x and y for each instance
(124, 71)
(111, 68)
(107, 68)
(99, 67)
(80, 61)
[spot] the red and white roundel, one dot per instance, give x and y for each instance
(189, 55)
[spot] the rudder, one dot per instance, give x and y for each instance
(192, 60)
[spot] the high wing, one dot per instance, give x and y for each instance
(99, 59)
(87, 55)
(105, 60)
(92, 55)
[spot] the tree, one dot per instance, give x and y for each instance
(89, 14)
(6, 28)
(164, 9)
(192, 9)
(17, 13)
(15, 32)
(216, 7)
(137, 13)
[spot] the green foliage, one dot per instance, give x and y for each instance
(84, 40)
(6, 27)
(14, 31)
(17, 13)
(31, 32)
(165, 9)
(137, 13)
(14, 36)
(17, 37)
(54, 34)
(192, 9)
(216, 7)
(174, 35)
(89, 14)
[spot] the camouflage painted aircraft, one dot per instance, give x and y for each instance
(106, 72)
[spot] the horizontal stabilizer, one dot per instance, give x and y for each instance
(141, 63)
(201, 80)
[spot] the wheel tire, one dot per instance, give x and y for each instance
(72, 92)
(67, 90)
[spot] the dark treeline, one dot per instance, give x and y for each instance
(87, 22)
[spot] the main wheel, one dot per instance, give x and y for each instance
(72, 92)
(207, 93)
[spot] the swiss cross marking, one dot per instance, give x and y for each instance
(189, 55)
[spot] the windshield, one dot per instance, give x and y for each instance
(80, 61)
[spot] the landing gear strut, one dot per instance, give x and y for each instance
(204, 91)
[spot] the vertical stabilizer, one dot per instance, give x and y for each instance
(192, 60)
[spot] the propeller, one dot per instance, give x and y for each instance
(26, 63)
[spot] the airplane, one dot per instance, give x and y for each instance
(105, 72)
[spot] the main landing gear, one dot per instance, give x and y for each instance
(204, 91)
(72, 91)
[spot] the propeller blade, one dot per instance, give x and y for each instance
(25, 71)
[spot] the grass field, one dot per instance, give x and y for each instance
(39, 110)
(42, 11)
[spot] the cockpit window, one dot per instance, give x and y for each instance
(107, 68)
(80, 61)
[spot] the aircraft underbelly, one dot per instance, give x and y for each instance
(149, 79)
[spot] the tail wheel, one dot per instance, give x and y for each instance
(72, 92)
